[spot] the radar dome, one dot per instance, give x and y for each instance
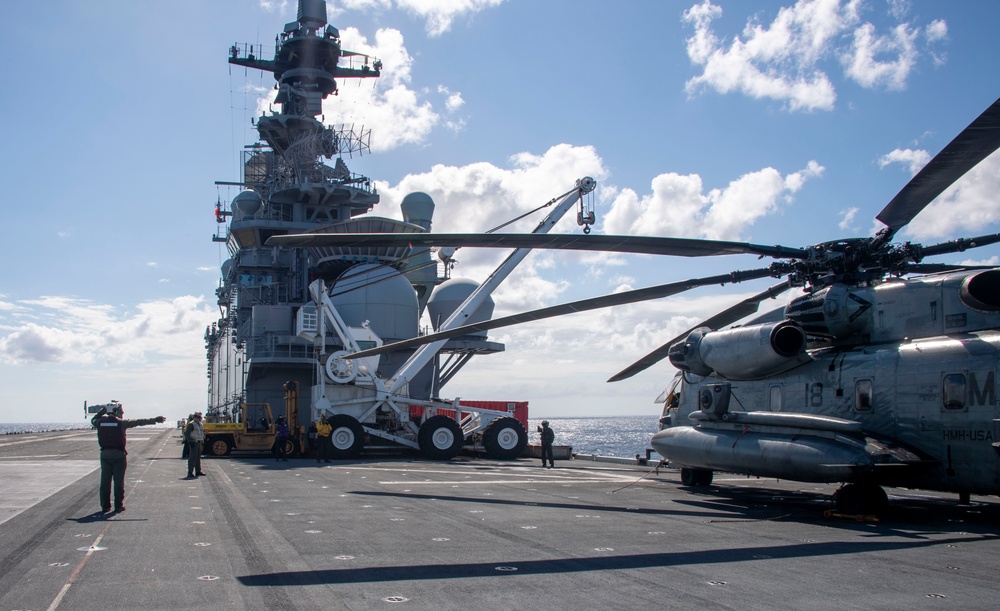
(247, 203)
(227, 266)
(447, 298)
(380, 295)
(418, 208)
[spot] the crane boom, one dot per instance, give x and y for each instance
(425, 353)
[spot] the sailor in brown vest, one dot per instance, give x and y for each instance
(111, 436)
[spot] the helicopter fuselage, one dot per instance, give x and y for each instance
(907, 398)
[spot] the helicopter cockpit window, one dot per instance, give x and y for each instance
(953, 391)
(863, 395)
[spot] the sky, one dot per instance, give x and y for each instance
(771, 122)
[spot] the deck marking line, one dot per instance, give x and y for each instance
(69, 582)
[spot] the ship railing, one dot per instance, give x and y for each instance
(273, 346)
(265, 294)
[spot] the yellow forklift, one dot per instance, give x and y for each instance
(254, 431)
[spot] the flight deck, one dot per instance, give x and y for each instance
(465, 533)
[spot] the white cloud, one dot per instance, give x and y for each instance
(886, 61)
(847, 219)
(967, 208)
(150, 356)
(454, 99)
(481, 196)
(899, 8)
(678, 205)
(439, 14)
(272, 6)
(913, 159)
(785, 60)
(993, 261)
(68, 330)
(937, 30)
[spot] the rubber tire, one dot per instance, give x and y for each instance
(347, 438)
(291, 447)
(219, 446)
(505, 439)
(861, 499)
(696, 478)
(703, 478)
(440, 438)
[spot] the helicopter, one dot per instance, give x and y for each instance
(882, 373)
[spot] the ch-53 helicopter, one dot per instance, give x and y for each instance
(883, 373)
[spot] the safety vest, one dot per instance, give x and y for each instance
(323, 428)
(111, 433)
(195, 432)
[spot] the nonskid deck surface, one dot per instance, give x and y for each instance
(259, 534)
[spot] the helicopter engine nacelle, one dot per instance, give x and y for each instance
(742, 353)
(840, 311)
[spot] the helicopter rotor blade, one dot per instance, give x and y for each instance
(937, 268)
(683, 247)
(728, 316)
(583, 305)
(975, 143)
(959, 245)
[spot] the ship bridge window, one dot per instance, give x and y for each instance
(953, 391)
(863, 395)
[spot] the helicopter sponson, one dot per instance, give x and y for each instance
(742, 353)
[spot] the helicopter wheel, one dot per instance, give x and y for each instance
(861, 499)
(696, 478)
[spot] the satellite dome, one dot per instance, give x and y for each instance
(447, 298)
(247, 202)
(380, 295)
(418, 208)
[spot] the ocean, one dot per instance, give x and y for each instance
(623, 436)
(40, 427)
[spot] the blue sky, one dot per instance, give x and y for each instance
(771, 122)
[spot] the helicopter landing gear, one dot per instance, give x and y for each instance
(696, 478)
(861, 499)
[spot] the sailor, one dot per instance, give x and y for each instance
(184, 451)
(548, 436)
(280, 439)
(195, 436)
(323, 431)
(111, 437)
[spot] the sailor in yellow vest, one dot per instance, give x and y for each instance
(323, 431)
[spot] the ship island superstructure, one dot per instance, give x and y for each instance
(271, 299)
